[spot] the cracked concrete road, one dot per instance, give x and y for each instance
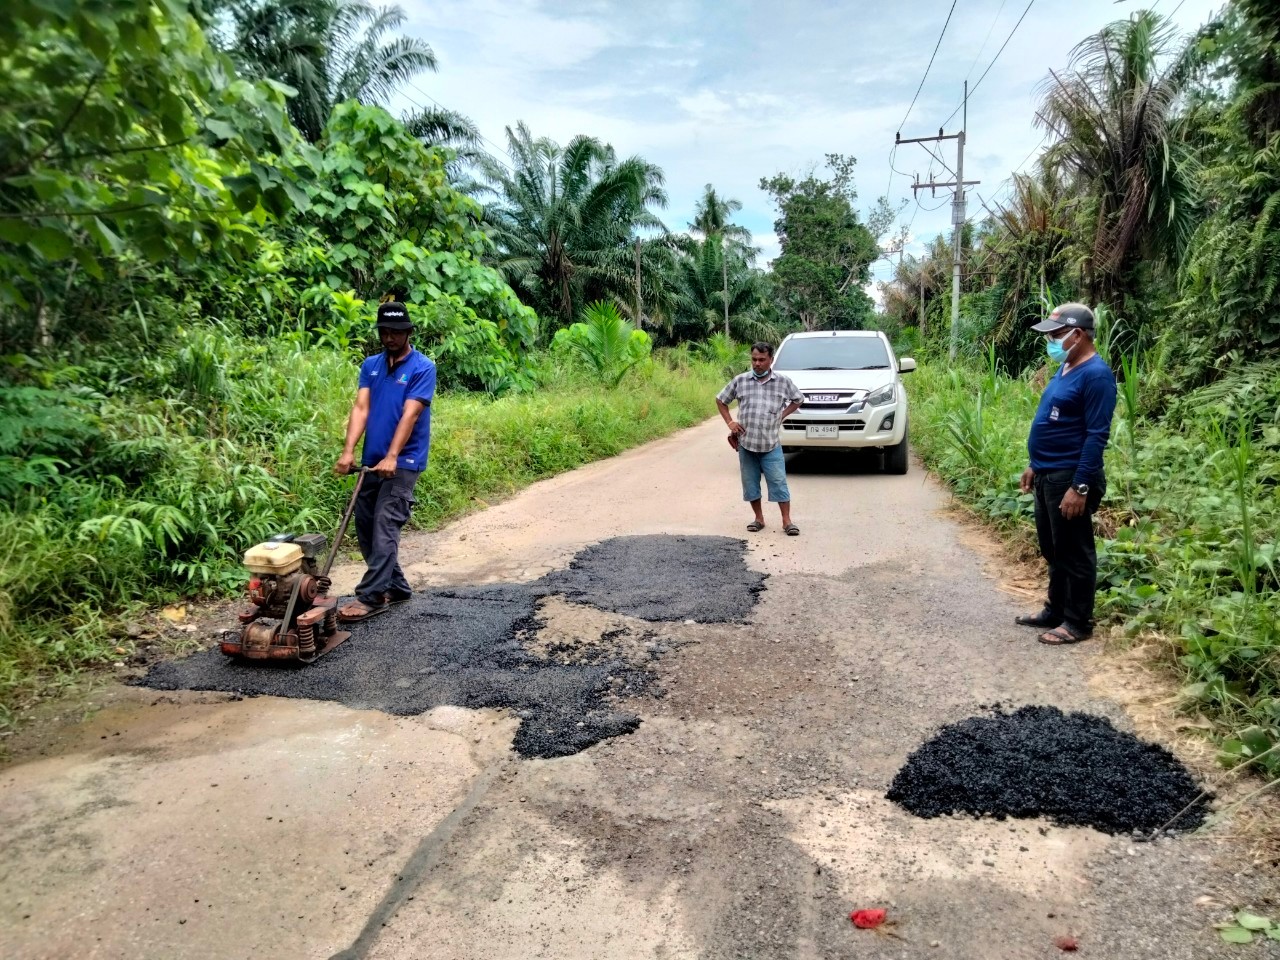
(744, 818)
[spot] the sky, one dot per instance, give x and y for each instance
(731, 91)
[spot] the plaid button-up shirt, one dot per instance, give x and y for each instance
(760, 405)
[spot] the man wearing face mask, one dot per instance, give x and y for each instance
(1066, 442)
(393, 412)
(765, 399)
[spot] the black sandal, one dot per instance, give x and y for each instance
(1046, 618)
(755, 526)
(1062, 635)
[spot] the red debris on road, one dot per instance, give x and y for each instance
(867, 919)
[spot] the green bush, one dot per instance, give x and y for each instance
(1188, 530)
(604, 343)
(157, 495)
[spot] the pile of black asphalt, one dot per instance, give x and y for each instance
(1072, 768)
(469, 647)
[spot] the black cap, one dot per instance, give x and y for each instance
(1066, 315)
(394, 315)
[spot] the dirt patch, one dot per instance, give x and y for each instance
(1037, 761)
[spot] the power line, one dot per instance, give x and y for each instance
(974, 88)
(990, 29)
(930, 65)
(1008, 182)
(931, 209)
(478, 133)
(894, 152)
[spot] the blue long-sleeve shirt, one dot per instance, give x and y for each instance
(1072, 425)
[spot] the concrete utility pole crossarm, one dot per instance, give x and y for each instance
(957, 212)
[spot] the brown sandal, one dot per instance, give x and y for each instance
(358, 610)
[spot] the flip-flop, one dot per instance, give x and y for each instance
(1044, 618)
(792, 530)
(755, 526)
(390, 600)
(1062, 635)
(358, 610)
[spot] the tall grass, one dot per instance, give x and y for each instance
(1188, 532)
(225, 441)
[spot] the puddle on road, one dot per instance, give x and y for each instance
(478, 647)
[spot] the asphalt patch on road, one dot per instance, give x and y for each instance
(663, 578)
(470, 647)
(1037, 761)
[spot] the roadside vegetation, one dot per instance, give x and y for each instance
(1187, 531)
(1157, 196)
(201, 205)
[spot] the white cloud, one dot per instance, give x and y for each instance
(769, 246)
(727, 95)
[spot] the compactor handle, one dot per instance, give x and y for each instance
(342, 527)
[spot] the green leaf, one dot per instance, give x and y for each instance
(1255, 740)
(1236, 935)
(52, 243)
(1251, 921)
(221, 130)
(108, 241)
(14, 230)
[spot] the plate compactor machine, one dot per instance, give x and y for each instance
(290, 614)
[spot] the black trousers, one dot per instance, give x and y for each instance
(1068, 547)
(381, 510)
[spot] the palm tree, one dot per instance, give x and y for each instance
(564, 219)
(712, 280)
(329, 51)
(1112, 115)
(711, 219)
(1029, 245)
(917, 282)
(438, 126)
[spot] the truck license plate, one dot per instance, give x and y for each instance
(819, 431)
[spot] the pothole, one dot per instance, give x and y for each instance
(484, 647)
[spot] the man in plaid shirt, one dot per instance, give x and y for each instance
(765, 399)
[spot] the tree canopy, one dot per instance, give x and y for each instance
(827, 251)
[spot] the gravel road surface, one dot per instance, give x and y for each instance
(765, 697)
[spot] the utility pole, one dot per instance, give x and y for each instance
(724, 270)
(922, 329)
(957, 211)
(639, 295)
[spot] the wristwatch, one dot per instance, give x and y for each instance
(1081, 488)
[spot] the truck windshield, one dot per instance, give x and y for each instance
(833, 353)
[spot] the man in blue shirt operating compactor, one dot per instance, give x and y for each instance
(1068, 435)
(393, 411)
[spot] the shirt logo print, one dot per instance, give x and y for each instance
(1053, 413)
(404, 378)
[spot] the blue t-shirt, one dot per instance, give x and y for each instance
(1073, 423)
(413, 378)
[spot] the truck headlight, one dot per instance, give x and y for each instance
(878, 398)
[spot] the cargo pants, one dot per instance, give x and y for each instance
(382, 509)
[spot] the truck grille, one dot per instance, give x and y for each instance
(791, 423)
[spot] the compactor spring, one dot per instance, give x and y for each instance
(331, 620)
(306, 638)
